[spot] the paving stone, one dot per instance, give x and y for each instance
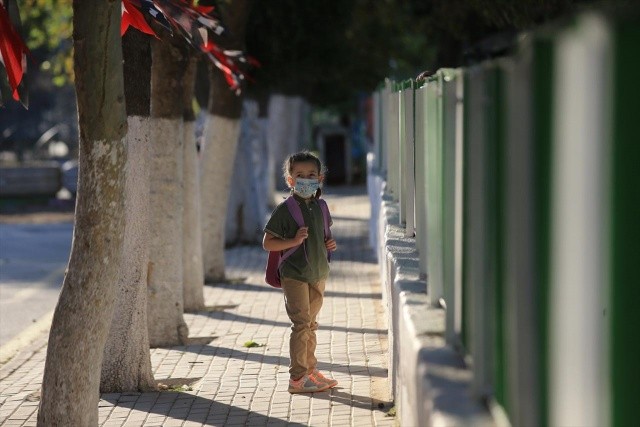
(248, 386)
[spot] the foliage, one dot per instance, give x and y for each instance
(522, 14)
(456, 27)
(48, 28)
(329, 51)
(392, 412)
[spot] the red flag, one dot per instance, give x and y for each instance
(12, 52)
(131, 16)
(195, 24)
(205, 10)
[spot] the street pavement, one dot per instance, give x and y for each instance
(225, 383)
(33, 258)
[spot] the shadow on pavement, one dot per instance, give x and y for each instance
(266, 288)
(345, 398)
(188, 407)
(225, 315)
(230, 353)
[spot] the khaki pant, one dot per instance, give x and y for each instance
(303, 302)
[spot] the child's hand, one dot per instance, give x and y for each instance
(330, 244)
(301, 235)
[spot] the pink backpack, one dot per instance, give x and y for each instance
(276, 258)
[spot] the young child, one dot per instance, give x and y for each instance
(304, 273)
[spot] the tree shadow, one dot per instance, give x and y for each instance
(236, 286)
(253, 287)
(229, 316)
(190, 407)
(337, 294)
(260, 355)
(185, 406)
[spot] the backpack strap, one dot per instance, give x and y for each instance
(294, 210)
(296, 213)
(326, 216)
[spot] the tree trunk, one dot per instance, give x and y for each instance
(248, 204)
(70, 386)
(165, 295)
(193, 270)
(287, 130)
(217, 157)
(263, 123)
(127, 363)
(219, 149)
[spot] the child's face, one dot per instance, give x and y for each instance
(306, 170)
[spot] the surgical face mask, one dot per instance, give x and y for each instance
(306, 188)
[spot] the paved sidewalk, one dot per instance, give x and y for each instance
(233, 385)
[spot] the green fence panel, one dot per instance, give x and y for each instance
(451, 199)
(495, 146)
(625, 233)
(458, 320)
(466, 334)
(402, 153)
(421, 126)
(385, 94)
(478, 259)
(517, 235)
(542, 123)
(393, 145)
(579, 285)
(523, 254)
(440, 155)
(434, 157)
(376, 114)
(407, 161)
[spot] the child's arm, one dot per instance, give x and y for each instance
(273, 243)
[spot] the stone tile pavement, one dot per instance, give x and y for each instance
(224, 383)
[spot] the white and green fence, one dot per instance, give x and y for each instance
(507, 219)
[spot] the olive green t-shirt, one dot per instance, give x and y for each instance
(282, 225)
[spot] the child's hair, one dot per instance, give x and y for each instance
(302, 156)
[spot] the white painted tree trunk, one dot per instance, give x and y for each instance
(287, 132)
(262, 171)
(248, 205)
(165, 296)
(193, 270)
(217, 160)
(126, 365)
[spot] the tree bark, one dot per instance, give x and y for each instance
(219, 149)
(285, 133)
(126, 366)
(248, 204)
(70, 387)
(193, 270)
(165, 292)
